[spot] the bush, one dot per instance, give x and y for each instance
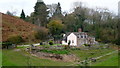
(15, 39)
(51, 42)
(117, 41)
(87, 45)
(41, 43)
(6, 44)
(41, 34)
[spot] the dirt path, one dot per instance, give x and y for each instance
(94, 58)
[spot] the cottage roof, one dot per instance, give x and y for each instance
(76, 33)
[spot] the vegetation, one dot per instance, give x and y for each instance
(99, 22)
(51, 42)
(55, 27)
(57, 15)
(22, 16)
(14, 26)
(69, 44)
(21, 58)
(40, 14)
(87, 45)
(6, 44)
(15, 39)
(111, 60)
(56, 51)
(41, 34)
(11, 13)
(1, 57)
(83, 54)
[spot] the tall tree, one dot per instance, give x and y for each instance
(9, 13)
(56, 28)
(13, 13)
(58, 13)
(70, 23)
(118, 29)
(40, 13)
(52, 9)
(58, 9)
(22, 16)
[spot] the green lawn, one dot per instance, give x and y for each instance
(83, 54)
(111, 60)
(56, 51)
(20, 58)
(0, 57)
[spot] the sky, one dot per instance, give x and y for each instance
(27, 5)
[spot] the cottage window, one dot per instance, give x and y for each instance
(85, 36)
(81, 36)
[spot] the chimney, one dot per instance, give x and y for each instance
(79, 30)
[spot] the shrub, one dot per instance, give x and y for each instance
(15, 39)
(41, 43)
(6, 44)
(51, 42)
(66, 46)
(117, 41)
(87, 45)
(41, 33)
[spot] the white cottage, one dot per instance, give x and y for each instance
(77, 38)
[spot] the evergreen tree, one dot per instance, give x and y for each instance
(58, 10)
(9, 13)
(22, 16)
(40, 13)
(58, 13)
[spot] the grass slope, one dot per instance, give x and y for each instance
(111, 60)
(0, 57)
(19, 58)
(83, 54)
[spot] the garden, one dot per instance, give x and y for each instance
(24, 57)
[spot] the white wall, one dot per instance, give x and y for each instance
(72, 37)
(64, 43)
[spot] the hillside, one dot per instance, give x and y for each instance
(15, 26)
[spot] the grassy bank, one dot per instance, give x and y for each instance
(83, 54)
(20, 58)
(111, 60)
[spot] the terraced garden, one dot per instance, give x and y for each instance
(19, 57)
